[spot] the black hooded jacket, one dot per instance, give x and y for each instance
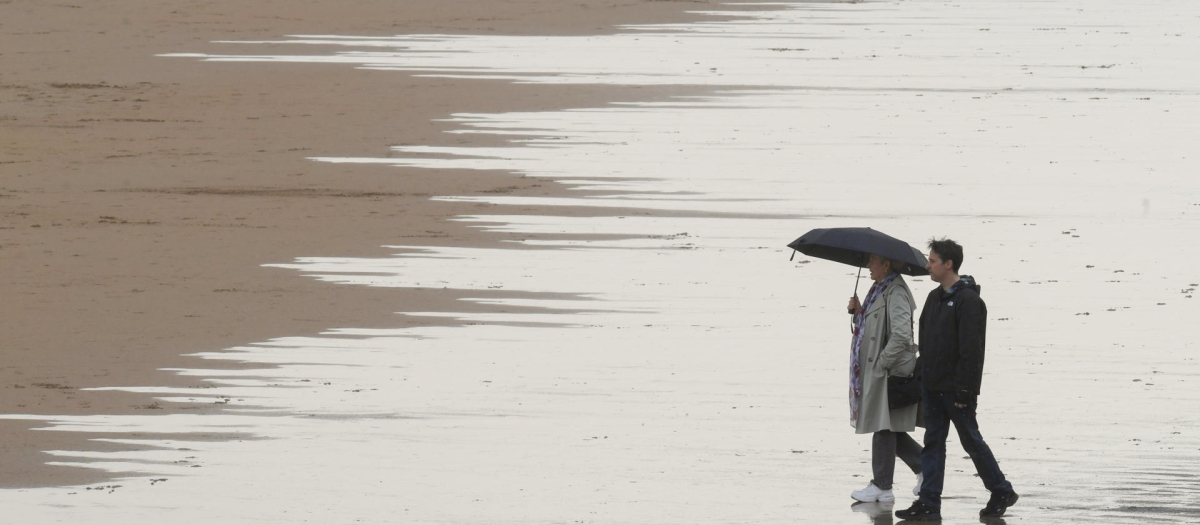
(953, 327)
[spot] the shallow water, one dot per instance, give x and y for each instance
(685, 371)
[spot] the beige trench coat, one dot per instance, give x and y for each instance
(883, 354)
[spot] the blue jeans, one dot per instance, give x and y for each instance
(939, 413)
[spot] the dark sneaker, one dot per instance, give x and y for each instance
(999, 503)
(920, 511)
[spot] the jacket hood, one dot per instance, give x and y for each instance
(964, 281)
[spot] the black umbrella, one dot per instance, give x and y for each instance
(854, 246)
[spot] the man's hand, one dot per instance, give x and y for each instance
(963, 398)
(854, 306)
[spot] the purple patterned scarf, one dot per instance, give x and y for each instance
(856, 343)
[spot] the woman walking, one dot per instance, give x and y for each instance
(882, 346)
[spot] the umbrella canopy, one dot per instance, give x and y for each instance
(854, 246)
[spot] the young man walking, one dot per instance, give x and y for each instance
(951, 341)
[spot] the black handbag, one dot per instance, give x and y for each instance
(903, 391)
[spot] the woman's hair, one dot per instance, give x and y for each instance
(894, 266)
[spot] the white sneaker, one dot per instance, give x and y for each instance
(917, 489)
(872, 493)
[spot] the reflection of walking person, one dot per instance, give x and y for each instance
(882, 345)
(952, 336)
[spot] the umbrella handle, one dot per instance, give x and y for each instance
(856, 279)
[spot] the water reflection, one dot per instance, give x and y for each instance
(879, 512)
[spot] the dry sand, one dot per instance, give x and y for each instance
(140, 194)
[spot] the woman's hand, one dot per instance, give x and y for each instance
(854, 306)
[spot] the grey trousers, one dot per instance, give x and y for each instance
(885, 447)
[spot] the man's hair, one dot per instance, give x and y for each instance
(948, 250)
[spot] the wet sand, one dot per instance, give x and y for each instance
(140, 195)
(708, 390)
(704, 383)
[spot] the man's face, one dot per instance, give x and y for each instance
(937, 267)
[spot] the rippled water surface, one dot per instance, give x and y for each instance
(679, 368)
